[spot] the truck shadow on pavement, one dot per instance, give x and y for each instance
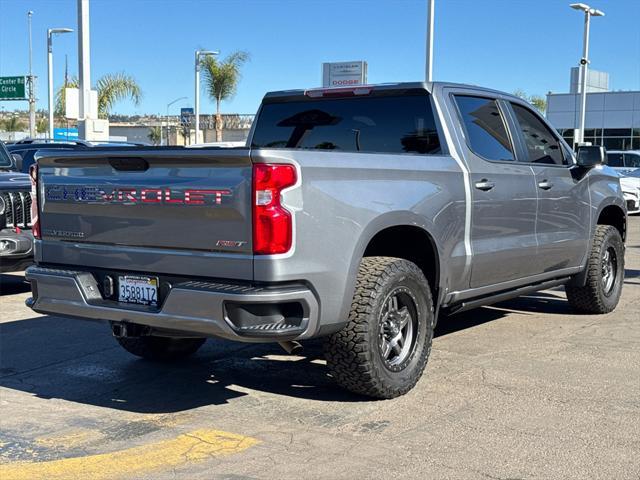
(13, 284)
(79, 361)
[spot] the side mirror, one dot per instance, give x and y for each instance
(588, 156)
(17, 162)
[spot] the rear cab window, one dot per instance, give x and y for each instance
(374, 124)
(485, 127)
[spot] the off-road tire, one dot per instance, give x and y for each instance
(592, 297)
(354, 355)
(162, 349)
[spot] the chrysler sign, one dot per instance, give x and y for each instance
(344, 74)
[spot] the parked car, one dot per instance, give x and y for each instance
(624, 161)
(27, 148)
(630, 184)
(16, 240)
(355, 214)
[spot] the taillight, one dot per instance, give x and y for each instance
(272, 223)
(35, 221)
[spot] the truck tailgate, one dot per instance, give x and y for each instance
(174, 200)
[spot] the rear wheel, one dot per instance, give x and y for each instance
(161, 348)
(384, 348)
(605, 274)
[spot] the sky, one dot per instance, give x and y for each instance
(502, 44)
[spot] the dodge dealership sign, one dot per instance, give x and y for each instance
(344, 74)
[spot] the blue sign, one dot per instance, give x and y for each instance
(186, 114)
(65, 134)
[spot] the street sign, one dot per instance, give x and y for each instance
(186, 115)
(344, 74)
(65, 134)
(13, 88)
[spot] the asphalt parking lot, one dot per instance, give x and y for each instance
(524, 389)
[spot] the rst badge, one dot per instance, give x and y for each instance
(133, 195)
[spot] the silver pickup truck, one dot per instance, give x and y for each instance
(357, 214)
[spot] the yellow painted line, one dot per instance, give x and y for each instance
(190, 447)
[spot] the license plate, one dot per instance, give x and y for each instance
(138, 289)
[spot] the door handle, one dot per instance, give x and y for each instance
(545, 185)
(484, 185)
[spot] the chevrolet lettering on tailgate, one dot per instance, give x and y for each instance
(132, 195)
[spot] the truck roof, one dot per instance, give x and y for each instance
(380, 88)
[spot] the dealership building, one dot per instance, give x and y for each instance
(612, 120)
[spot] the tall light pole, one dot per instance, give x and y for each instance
(584, 64)
(168, 105)
(32, 85)
(200, 53)
(50, 34)
(430, 23)
(84, 70)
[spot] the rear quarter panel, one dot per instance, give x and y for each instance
(343, 199)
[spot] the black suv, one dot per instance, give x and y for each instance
(16, 240)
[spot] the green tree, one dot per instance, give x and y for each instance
(112, 88)
(155, 135)
(536, 100)
(14, 124)
(221, 80)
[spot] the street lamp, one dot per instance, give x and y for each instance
(168, 105)
(32, 85)
(584, 63)
(200, 53)
(50, 34)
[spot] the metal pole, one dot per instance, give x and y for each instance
(197, 96)
(84, 67)
(430, 26)
(50, 80)
(584, 62)
(32, 93)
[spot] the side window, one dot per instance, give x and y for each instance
(631, 160)
(615, 160)
(542, 144)
(485, 127)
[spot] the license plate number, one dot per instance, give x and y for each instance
(137, 289)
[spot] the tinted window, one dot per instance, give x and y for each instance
(631, 160)
(5, 160)
(542, 145)
(394, 124)
(614, 160)
(486, 131)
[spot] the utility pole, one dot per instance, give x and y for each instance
(84, 67)
(430, 24)
(32, 85)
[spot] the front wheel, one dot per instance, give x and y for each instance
(384, 348)
(605, 274)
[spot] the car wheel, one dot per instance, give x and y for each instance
(384, 348)
(605, 274)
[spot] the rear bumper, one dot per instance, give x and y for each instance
(16, 250)
(234, 311)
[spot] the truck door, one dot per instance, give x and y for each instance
(563, 195)
(503, 193)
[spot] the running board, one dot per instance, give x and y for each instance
(505, 295)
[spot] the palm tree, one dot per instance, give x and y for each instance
(221, 81)
(111, 88)
(155, 135)
(42, 125)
